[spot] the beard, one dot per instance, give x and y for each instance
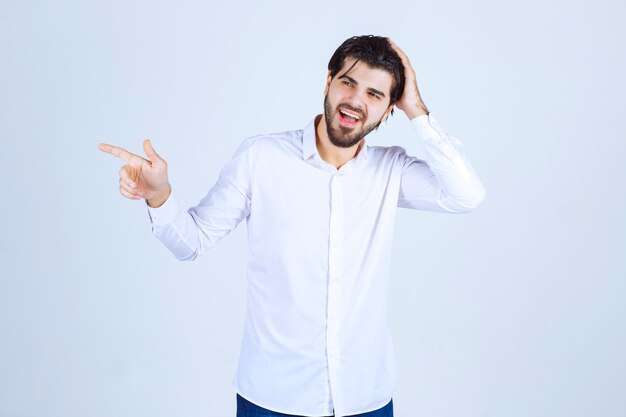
(343, 136)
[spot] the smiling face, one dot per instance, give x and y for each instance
(356, 101)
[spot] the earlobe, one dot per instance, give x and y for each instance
(387, 113)
(328, 81)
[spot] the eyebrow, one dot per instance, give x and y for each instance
(353, 81)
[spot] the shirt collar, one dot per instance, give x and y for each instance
(309, 146)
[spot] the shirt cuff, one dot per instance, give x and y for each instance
(426, 127)
(165, 213)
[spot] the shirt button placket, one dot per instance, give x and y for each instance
(334, 266)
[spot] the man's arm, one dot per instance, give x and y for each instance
(190, 233)
(445, 181)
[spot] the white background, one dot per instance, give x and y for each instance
(514, 309)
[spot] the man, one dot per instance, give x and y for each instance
(320, 207)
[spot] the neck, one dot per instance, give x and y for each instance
(334, 155)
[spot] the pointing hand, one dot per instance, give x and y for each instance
(140, 177)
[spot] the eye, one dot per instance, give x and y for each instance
(346, 82)
(376, 96)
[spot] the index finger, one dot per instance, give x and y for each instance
(119, 152)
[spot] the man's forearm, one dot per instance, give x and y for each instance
(418, 109)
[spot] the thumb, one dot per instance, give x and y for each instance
(151, 153)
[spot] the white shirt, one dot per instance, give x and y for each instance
(315, 338)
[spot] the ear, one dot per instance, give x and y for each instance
(387, 112)
(328, 80)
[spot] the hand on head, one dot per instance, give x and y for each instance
(411, 101)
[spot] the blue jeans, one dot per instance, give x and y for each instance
(246, 408)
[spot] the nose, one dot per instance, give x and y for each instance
(357, 102)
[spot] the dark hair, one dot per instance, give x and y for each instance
(377, 53)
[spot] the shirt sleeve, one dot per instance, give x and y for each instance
(444, 180)
(189, 233)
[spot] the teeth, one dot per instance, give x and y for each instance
(350, 114)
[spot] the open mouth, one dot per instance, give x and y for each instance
(348, 118)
